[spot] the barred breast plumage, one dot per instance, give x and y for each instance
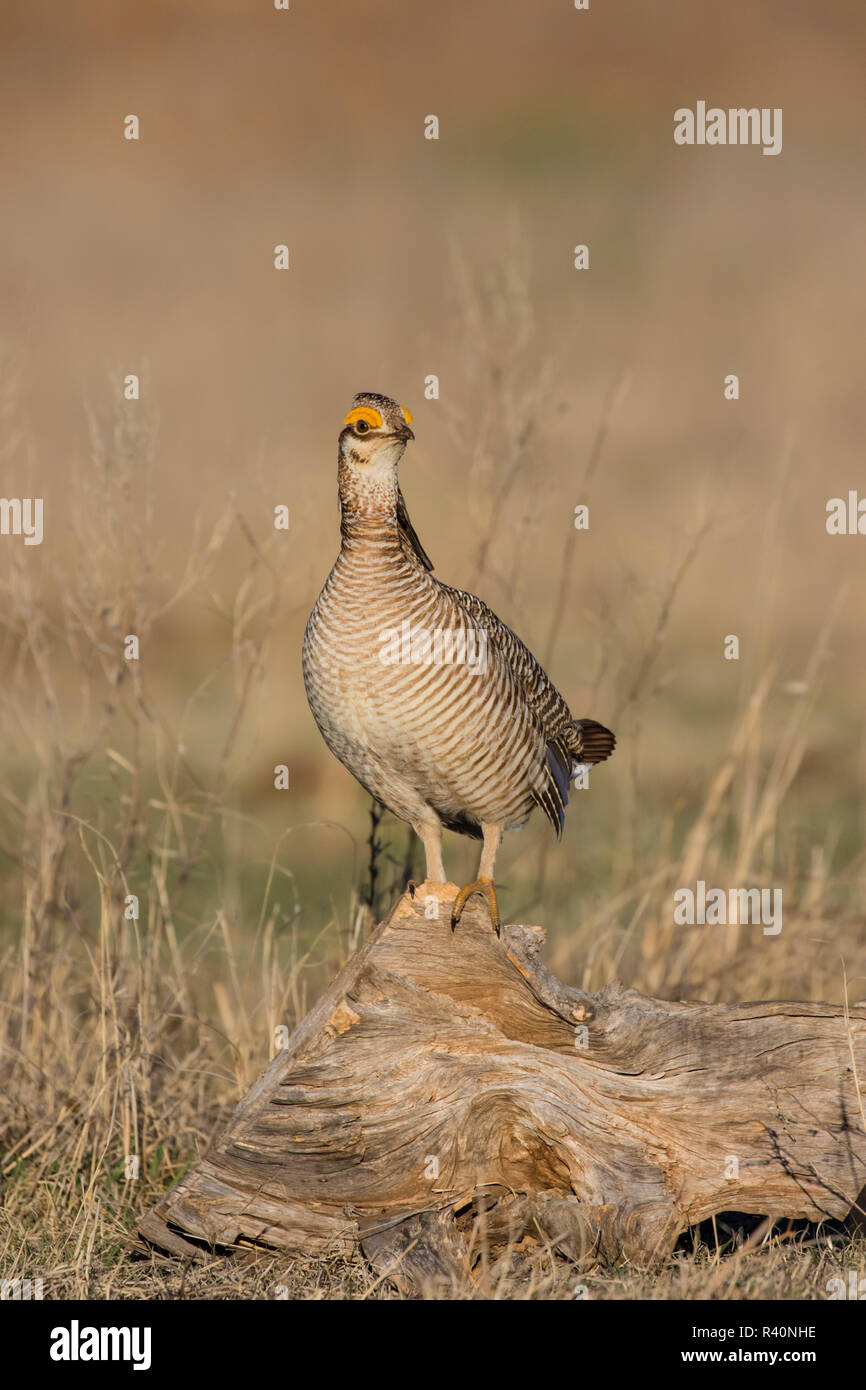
(433, 704)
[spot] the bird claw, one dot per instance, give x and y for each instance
(484, 887)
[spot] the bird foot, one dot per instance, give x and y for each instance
(484, 887)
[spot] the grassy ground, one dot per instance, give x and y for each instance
(162, 906)
(166, 929)
(774, 1271)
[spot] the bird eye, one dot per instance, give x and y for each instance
(361, 426)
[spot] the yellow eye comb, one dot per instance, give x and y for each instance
(364, 412)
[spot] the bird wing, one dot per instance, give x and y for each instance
(548, 711)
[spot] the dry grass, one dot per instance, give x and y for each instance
(131, 1033)
(124, 1034)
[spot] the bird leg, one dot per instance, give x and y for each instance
(430, 835)
(483, 884)
(485, 888)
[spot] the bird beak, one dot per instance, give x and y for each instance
(404, 432)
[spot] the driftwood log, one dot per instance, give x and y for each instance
(448, 1093)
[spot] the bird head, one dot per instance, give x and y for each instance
(375, 432)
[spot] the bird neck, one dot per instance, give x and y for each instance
(368, 508)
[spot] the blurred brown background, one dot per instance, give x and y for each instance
(408, 258)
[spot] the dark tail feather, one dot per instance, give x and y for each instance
(593, 742)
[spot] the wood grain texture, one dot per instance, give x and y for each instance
(447, 1084)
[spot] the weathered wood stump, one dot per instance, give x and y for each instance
(449, 1083)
